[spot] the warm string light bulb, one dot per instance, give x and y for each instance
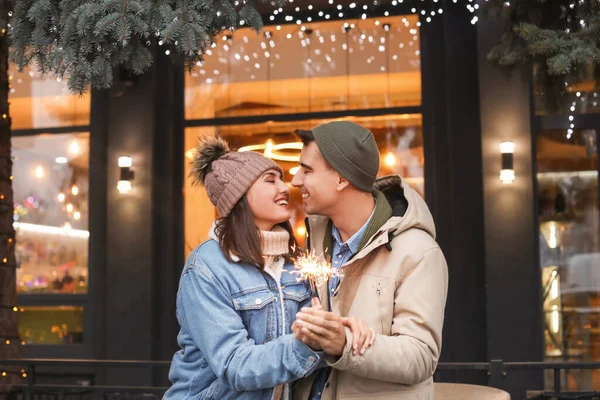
(390, 159)
(427, 13)
(39, 172)
(74, 148)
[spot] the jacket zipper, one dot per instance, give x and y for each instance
(380, 310)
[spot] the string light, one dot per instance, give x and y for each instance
(424, 8)
(8, 340)
(571, 128)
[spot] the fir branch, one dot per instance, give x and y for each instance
(84, 40)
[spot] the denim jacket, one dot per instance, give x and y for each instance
(235, 336)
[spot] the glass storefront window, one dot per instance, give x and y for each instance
(582, 94)
(569, 220)
(51, 185)
(399, 138)
(321, 66)
(38, 101)
(51, 325)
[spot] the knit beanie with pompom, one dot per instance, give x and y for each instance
(227, 175)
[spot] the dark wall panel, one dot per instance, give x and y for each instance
(453, 179)
(514, 315)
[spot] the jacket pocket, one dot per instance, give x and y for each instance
(258, 314)
(253, 300)
(297, 292)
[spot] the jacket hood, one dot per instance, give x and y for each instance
(409, 210)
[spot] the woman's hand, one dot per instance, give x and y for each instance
(303, 337)
(363, 337)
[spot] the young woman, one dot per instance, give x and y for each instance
(238, 295)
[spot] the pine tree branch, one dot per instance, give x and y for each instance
(82, 40)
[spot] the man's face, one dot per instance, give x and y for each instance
(317, 181)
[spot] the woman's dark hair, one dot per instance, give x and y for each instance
(239, 236)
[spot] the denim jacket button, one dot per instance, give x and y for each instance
(311, 359)
(258, 301)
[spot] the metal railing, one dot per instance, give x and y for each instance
(496, 371)
(33, 390)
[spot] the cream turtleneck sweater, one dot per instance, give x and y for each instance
(275, 245)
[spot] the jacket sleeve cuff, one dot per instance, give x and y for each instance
(307, 359)
(343, 361)
(322, 362)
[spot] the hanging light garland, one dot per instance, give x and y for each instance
(427, 9)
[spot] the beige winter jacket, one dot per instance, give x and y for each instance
(397, 284)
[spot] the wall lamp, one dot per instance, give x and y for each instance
(507, 173)
(126, 175)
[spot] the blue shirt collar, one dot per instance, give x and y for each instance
(355, 240)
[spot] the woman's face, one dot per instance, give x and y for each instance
(268, 198)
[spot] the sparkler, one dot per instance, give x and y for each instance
(315, 269)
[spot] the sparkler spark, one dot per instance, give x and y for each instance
(314, 269)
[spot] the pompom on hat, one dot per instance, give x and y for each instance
(227, 175)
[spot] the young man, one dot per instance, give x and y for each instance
(380, 236)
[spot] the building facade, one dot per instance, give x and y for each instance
(99, 258)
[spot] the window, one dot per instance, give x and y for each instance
(50, 149)
(583, 95)
(287, 78)
(321, 66)
(51, 325)
(44, 102)
(51, 212)
(399, 138)
(569, 218)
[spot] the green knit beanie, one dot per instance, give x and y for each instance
(351, 150)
